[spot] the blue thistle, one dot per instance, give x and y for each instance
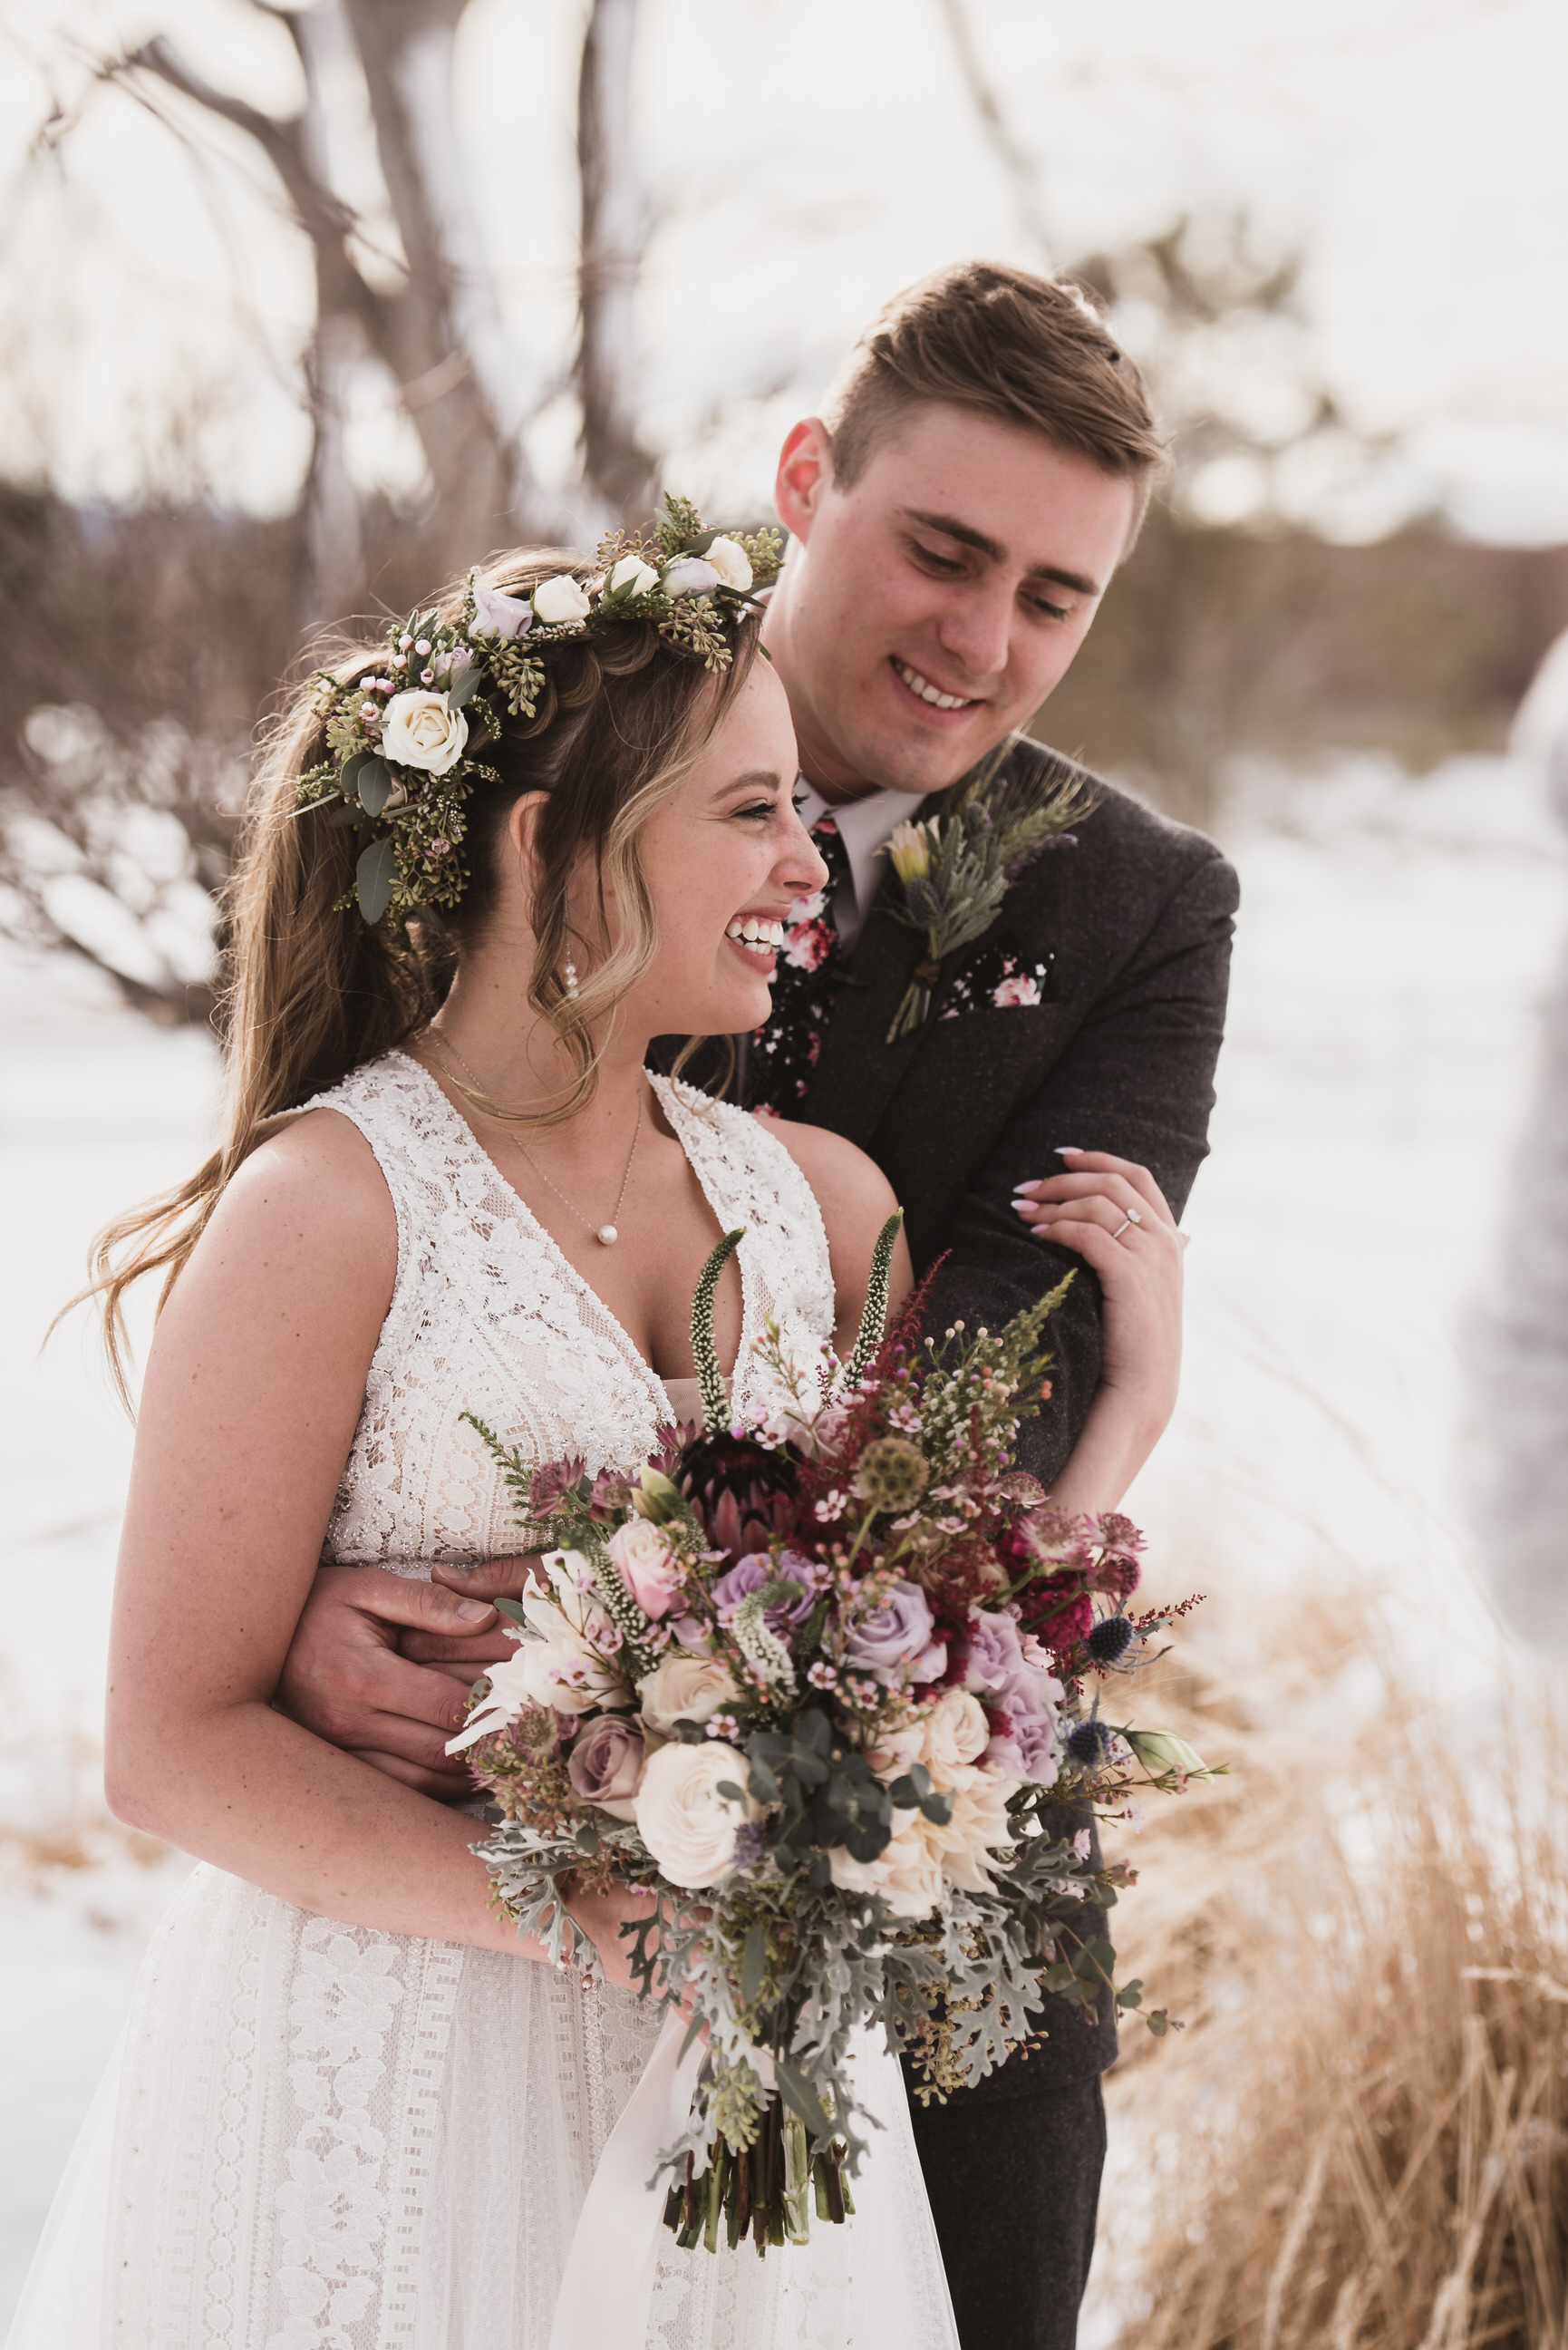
(1088, 1743)
(1110, 1639)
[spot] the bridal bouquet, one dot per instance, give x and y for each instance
(827, 1685)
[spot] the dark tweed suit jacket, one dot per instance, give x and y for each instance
(1132, 920)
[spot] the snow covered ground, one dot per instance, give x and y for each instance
(1394, 938)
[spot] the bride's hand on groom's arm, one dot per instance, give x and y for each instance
(1113, 1214)
(381, 1664)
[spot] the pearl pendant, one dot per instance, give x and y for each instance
(607, 1236)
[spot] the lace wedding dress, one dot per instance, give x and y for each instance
(317, 2136)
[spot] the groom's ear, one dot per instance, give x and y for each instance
(804, 475)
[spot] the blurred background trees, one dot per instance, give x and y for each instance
(148, 630)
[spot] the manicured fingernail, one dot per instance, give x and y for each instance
(1025, 1190)
(1069, 1150)
(472, 1611)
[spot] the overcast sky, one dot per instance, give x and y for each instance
(804, 158)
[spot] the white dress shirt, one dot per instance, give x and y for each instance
(864, 826)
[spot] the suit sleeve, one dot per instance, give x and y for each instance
(1137, 1079)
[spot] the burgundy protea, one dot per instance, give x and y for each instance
(742, 1492)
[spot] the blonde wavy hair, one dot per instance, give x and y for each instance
(311, 993)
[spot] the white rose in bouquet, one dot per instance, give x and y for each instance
(560, 602)
(956, 1732)
(686, 1823)
(979, 1826)
(907, 1873)
(686, 1689)
(913, 1884)
(730, 562)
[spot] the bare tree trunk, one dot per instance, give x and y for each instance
(1521, 1381)
(333, 535)
(464, 382)
(619, 472)
(1016, 164)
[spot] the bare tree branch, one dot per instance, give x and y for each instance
(1015, 162)
(614, 230)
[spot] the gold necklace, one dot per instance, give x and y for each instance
(606, 1235)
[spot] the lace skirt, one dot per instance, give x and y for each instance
(319, 2137)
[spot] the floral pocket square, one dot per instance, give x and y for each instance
(999, 978)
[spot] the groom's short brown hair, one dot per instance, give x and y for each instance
(1028, 350)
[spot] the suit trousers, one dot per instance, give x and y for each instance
(1013, 2184)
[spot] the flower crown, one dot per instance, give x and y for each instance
(402, 742)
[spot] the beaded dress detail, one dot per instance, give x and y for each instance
(317, 2137)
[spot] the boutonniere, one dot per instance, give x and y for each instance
(956, 868)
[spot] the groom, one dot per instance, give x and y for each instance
(979, 471)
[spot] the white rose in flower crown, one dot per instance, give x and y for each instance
(686, 1823)
(686, 1689)
(560, 602)
(631, 577)
(423, 730)
(956, 1732)
(729, 559)
(690, 575)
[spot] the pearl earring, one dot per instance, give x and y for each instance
(569, 979)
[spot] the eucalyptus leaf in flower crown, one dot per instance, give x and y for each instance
(956, 868)
(406, 736)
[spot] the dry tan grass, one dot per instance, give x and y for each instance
(1360, 2144)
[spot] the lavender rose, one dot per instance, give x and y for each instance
(749, 1575)
(606, 1765)
(494, 615)
(1027, 1748)
(898, 1633)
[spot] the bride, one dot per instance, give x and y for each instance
(352, 2107)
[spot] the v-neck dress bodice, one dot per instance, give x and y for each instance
(489, 1316)
(318, 2136)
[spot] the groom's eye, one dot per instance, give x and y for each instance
(944, 567)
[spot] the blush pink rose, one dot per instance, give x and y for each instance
(647, 1566)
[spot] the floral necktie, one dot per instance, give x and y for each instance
(785, 1049)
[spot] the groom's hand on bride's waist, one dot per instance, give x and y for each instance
(381, 1665)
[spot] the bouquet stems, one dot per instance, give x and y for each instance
(769, 2191)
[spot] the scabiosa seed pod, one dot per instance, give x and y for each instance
(891, 1473)
(1110, 1640)
(1088, 1743)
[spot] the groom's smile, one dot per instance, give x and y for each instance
(929, 608)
